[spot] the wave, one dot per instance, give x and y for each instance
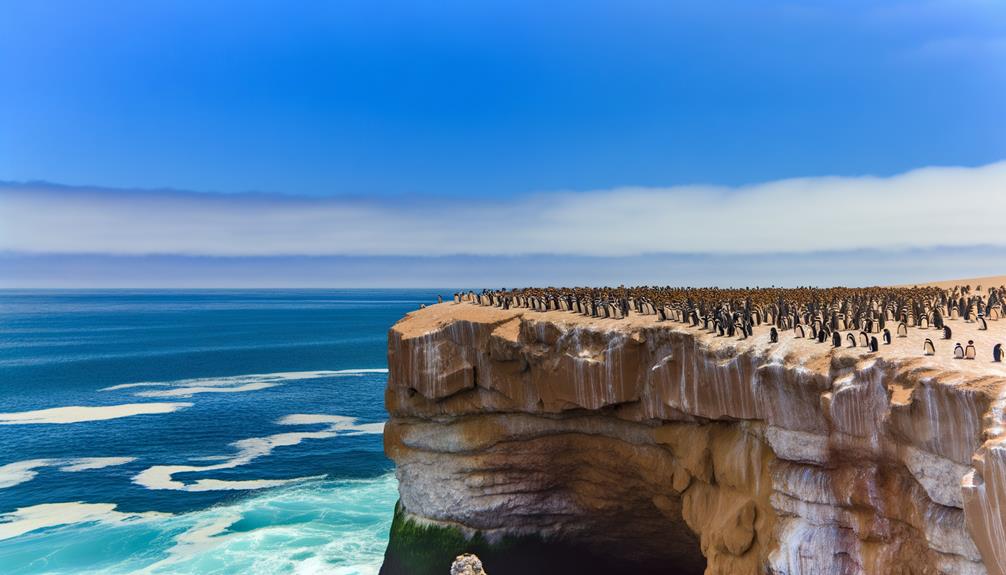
(335, 527)
(248, 450)
(79, 414)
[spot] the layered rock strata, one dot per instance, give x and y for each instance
(664, 448)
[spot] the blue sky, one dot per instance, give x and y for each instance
(472, 108)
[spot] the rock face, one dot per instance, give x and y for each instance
(661, 448)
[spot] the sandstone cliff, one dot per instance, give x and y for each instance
(658, 446)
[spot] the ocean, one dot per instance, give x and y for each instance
(209, 431)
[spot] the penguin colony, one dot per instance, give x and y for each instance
(816, 313)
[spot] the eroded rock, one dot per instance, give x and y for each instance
(661, 445)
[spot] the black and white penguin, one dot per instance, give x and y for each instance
(773, 335)
(902, 329)
(799, 331)
(874, 346)
(997, 353)
(887, 336)
(822, 335)
(946, 332)
(969, 351)
(836, 339)
(864, 339)
(852, 339)
(928, 348)
(982, 324)
(958, 351)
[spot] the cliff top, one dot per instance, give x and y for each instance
(980, 373)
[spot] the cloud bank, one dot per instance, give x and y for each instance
(946, 206)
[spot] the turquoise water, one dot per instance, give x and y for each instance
(195, 431)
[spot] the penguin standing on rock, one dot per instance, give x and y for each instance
(852, 339)
(836, 339)
(773, 335)
(887, 336)
(958, 351)
(946, 332)
(997, 353)
(874, 346)
(928, 348)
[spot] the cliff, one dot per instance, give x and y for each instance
(651, 446)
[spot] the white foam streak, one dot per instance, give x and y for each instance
(23, 471)
(248, 450)
(235, 383)
(88, 463)
(190, 391)
(79, 414)
(28, 519)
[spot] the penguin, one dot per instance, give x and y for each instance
(662, 313)
(822, 336)
(773, 335)
(887, 336)
(874, 346)
(902, 330)
(864, 339)
(958, 351)
(969, 351)
(946, 332)
(997, 353)
(799, 331)
(852, 339)
(836, 339)
(928, 348)
(440, 299)
(982, 324)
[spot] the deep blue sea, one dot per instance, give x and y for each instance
(212, 431)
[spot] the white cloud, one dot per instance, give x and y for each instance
(922, 208)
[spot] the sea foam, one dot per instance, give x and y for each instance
(248, 450)
(79, 414)
(22, 471)
(237, 381)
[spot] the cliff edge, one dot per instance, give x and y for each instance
(546, 440)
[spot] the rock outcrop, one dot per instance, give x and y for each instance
(660, 448)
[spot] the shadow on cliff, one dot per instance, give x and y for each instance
(429, 550)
